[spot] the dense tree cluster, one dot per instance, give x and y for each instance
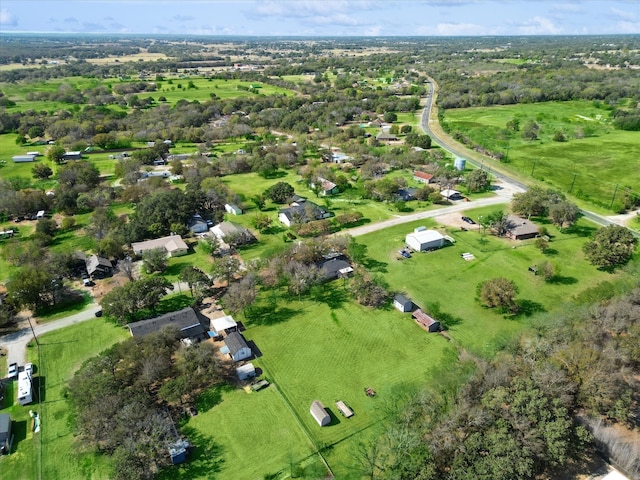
(125, 401)
(539, 202)
(125, 302)
(517, 417)
(611, 246)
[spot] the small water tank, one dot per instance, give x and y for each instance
(459, 163)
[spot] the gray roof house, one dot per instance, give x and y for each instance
(98, 267)
(402, 303)
(521, 229)
(300, 212)
(335, 268)
(237, 345)
(197, 224)
(190, 324)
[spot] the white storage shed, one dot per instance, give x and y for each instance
(246, 371)
(319, 413)
(425, 240)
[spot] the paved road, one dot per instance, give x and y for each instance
(16, 343)
(430, 125)
(458, 207)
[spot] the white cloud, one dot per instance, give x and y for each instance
(456, 29)
(566, 7)
(183, 18)
(623, 14)
(8, 19)
(539, 26)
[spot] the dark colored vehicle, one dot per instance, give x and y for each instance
(468, 220)
(98, 313)
(405, 254)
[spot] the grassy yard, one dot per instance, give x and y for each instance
(61, 354)
(431, 278)
(324, 349)
(595, 168)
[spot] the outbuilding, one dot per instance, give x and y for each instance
(431, 324)
(23, 158)
(246, 371)
(5, 433)
(233, 209)
(421, 239)
(319, 413)
(402, 303)
(237, 345)
(225, 324)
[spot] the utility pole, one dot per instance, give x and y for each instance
(572, 182)
(534, 166)
(34, 333)
(614, 196)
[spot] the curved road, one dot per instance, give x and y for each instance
(426, 122)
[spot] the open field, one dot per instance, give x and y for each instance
(61, 353)
(604, 158)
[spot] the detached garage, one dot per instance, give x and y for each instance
(319, 413)
(421, 240)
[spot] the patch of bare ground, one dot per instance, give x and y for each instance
(102, 287)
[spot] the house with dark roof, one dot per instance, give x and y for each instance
(189, 323)
(520, 228)
(197, 224)
(302, 212)
(407, 194)
(402, 303)
(336, 267)
(98, 267)
(237, 346)
(426, 321)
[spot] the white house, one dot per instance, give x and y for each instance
(421, 239)
(173, 244)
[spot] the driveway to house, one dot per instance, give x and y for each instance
(16, 343)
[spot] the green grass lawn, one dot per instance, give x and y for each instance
(62, 353)
(325, 349)
(431, 278)
(594, 165)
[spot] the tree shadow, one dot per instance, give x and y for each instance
(273, 230)
(526, 308)
(269, 314)
(580, 230)
(18, 432)
(211, 397)
(204, 459)
(334, 297)
(560, 280)
(375, 265)
(550, 252)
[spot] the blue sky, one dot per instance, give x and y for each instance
(324, 17)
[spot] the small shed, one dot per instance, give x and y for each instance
(197, 224)
(246, 371)
(421, 240)
(23, 158)
(5, 433)
(319, 413)
(98, 267)
(237, 345)
(450, 194)
(426, 321)
(402, 303)
(233, 209)
(344, 409)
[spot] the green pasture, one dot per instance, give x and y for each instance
(326, 349)
(203, 88)
(54, 449)
(598, 168)
(445, 284)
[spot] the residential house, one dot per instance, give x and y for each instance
(402, 303)
(237, 346)
(450, 194)
(302, 212)
(324, 186)
(422, 177)
(376, 123)
(386, 137)
(319, 413)
(5, 433)
(422, 240)
(226, 230)
(197, 224)
(233, 209)
(521, 229)
(190, 324)
(426, 321)
(335, 267)
(98, 267)
(173, 244)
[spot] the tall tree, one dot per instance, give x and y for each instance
(611, 246)
(499, 293)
